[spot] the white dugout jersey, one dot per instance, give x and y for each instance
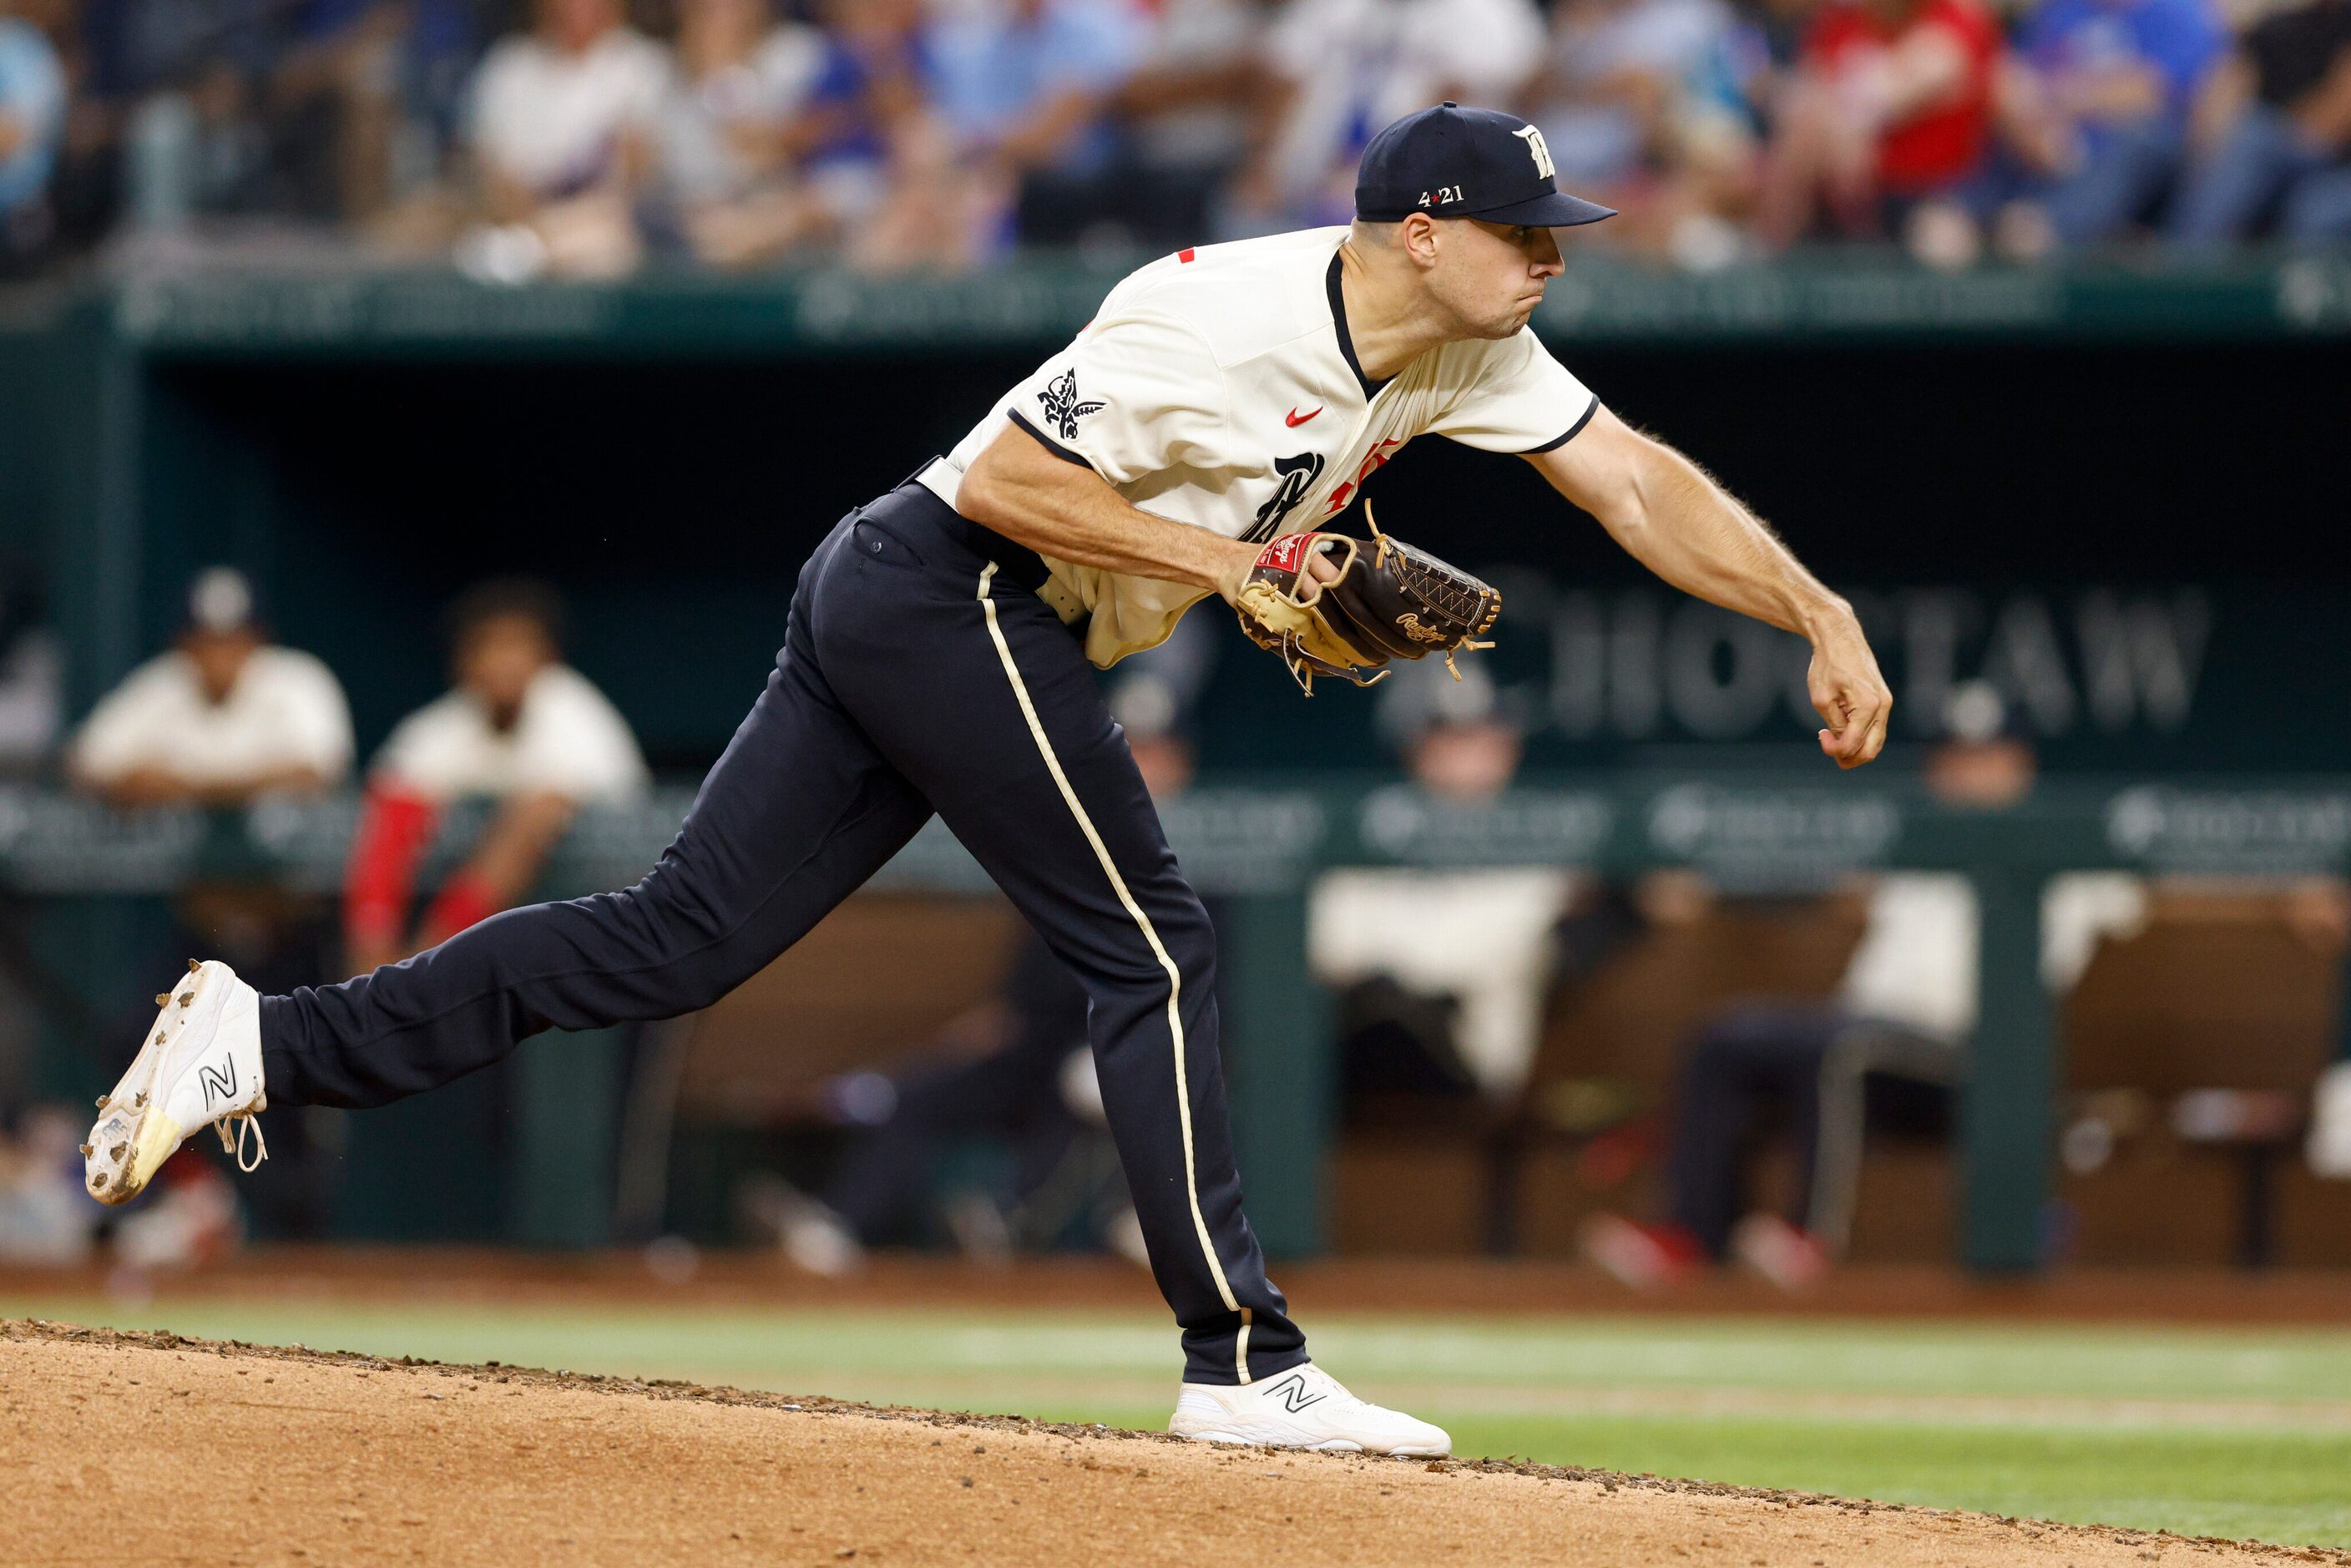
(1219, 387)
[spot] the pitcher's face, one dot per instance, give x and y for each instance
(1490, 277)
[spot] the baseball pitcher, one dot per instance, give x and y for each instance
(1223, 403)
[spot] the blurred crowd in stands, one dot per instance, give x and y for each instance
(593, 137)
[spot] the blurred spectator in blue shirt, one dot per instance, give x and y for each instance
(32, 123)
(875, 158)
(1022, 86)
(2096, 105)
(2274, 134)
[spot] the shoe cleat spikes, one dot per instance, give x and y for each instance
(86, 1151)
(139, 1100)
(162, 997)
(194, 966)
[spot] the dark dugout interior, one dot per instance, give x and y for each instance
(674, 503)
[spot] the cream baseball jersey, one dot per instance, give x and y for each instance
(1219, 387)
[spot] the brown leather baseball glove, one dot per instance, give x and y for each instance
(1388, 601)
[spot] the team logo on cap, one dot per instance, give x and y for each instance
(1063, 408)
(1542, 153)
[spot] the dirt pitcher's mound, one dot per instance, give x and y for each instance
(118, 1448)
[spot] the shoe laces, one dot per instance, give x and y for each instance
(1335, 1391)
(235, 1146)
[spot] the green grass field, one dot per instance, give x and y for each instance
(2206, 1432)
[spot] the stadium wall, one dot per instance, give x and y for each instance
(2100, 492)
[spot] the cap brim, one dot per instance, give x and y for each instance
(1554, 210)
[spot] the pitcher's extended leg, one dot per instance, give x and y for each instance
(798, 813)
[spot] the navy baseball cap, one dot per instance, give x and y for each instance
(1456, 163)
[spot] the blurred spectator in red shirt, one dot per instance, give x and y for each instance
(2274, 130)
(1890, 110)
(522, 728)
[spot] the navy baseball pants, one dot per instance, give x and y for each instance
(920, 672)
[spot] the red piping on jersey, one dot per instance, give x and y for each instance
(1371, 465)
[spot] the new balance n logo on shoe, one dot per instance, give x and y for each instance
(217, 1080)
(1294, 1397)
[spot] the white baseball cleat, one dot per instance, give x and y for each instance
(1304, 1407)
(201, 1064)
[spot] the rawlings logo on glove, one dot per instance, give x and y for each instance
(1389, 602)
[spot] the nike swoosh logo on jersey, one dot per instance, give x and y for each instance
(1294, 419)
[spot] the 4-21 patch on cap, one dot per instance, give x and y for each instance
(1456, 163)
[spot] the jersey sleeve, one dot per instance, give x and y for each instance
(1514, 397)
(1131, 396)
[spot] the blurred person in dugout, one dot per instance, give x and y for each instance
(520, 729)
(1890, 1049)
(1016, 1069)
(223, 719)
(2320, 912)
(1441, 975)
(31, 673)
(226, 719)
